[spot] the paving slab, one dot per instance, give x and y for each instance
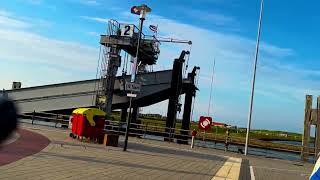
(67, 158)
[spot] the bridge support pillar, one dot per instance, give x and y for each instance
(114, 63)
(185, 126)
(124, 113)
(134, 115)
(175, 90)
(191, 92)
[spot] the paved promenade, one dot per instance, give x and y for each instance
(66, 158)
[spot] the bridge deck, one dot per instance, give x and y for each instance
(155, 88)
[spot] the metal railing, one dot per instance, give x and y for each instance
(161, 133)
(47, 117)
(114, 27)
(143, 130)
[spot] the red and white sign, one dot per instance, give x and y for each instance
(205, 123)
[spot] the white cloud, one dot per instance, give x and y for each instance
(56, 57)
(208, 17)
(90, 2)
(8, 22)
(95, 34)
(5, 13)
(35, 2)
(96, 19)
(25, 46)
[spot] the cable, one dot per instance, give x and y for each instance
(213, 68)
(194, 99)
(187, 64)
(98, 65)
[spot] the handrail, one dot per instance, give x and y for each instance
(57, 118)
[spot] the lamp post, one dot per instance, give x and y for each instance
(142, 11)
(253, 79)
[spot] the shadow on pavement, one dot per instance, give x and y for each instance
(114, 162)
(182, 152)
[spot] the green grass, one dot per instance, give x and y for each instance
(240, 132)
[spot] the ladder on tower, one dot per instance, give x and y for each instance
(112, 30)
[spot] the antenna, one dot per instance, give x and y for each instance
(212, 77)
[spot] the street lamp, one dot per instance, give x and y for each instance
(253, 80)
(142, 11)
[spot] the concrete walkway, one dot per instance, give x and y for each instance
(66, 158)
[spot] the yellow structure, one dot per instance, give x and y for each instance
(89, 113)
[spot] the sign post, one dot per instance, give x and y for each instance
(205, 124)
(142, 11)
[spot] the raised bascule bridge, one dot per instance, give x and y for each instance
(110, 90)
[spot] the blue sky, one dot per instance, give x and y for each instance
(44, 42)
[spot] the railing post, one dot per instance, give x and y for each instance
(56, 121)
(32, 118)
(169, 134)
(145, 130)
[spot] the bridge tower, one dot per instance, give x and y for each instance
(122, 37)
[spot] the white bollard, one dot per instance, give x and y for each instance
(192, 142)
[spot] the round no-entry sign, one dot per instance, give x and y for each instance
(205, 123)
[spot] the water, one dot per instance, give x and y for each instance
(252, 151)
(297, 143)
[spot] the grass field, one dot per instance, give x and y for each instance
(266, 135)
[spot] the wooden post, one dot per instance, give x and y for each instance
(317, 138)
(306, 130)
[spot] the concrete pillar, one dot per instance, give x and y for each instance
(306, 130)
(124, 113)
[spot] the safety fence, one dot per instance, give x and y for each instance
(202, 139)
(144, 130)
(61, 119)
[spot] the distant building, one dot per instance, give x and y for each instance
(156, 116)
(283, 135)
(223, 125)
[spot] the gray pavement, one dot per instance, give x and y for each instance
(66, 158)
